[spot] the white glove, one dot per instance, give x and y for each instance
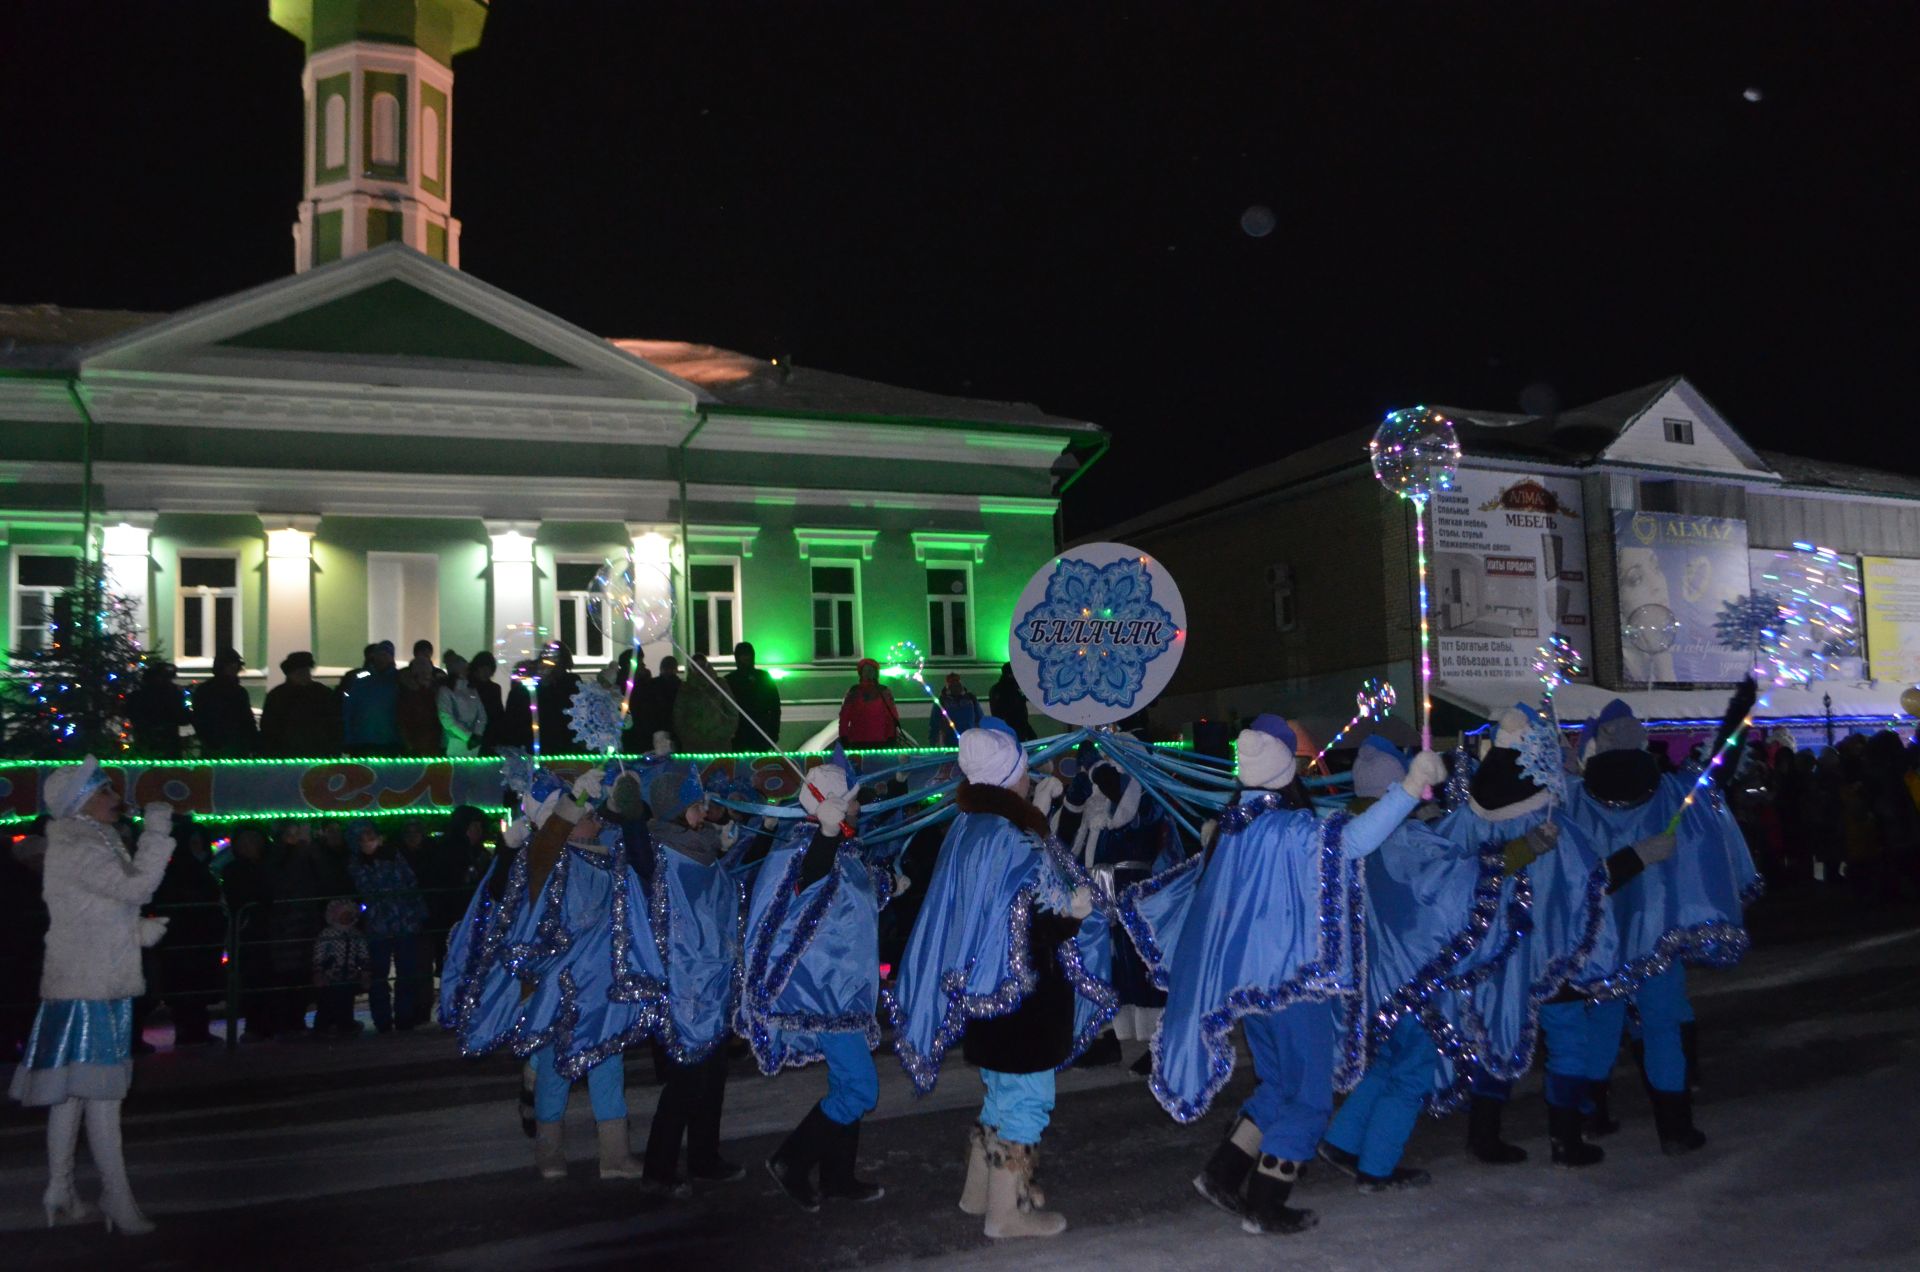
(1427, 769)
(1543, 838)
(1045, 791)
(516, 833)
(1655, 848)
(589, 785)
(900, 884)
(151, 930)
(1081, 904)
(157, 814)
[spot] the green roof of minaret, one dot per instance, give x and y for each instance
(438, 28)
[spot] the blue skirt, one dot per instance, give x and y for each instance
(79, 1049)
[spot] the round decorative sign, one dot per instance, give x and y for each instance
(1097, 634)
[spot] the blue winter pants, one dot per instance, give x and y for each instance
(384, 1002)
(1664, 1007)
(853, 1087)
(606, 1088)
(1564, 1027)
(1018, 1105)
(1377, 1118)
(1293, 1059)
(1604, 1024)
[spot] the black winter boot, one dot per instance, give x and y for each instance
(1400, 1177)
(1483, 1133)
(1673, 1118)
(1600, 1121)
(1689, 1048)
(1267, 1193)
(1563, 1129)
(837, 1179)
(1224, 1177)
(794, 1159)
(1103, 1050)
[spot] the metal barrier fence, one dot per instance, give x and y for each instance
(256, 963)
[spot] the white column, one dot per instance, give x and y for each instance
(289, 589)
(514, 621)
(124, 549)
(653, 561)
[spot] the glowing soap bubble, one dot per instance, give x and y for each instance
(1652, 628)
(1415, 452)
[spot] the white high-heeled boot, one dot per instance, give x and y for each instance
(116, 1194)
(60, 1201)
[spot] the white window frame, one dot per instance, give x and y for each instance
(1678, 432)
(205, 598)
(970, 599)
(580, 602)
(724, 654)
(15, 590)
(859, 632)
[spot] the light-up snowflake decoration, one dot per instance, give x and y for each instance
(1542, 760)
(1095, 632)
(594, 715)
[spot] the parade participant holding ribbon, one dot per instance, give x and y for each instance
(1002, 962)
(1263, 928)
(812, 965)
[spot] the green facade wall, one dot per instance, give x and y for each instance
(328, 228)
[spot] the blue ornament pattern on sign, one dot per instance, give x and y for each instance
(1095, 632)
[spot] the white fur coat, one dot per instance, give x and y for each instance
(94, 892)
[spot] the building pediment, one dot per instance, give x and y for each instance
(391, 318)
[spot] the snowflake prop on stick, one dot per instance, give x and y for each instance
(1415, 455)
(594, 716)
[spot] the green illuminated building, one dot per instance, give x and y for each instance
(381, 446)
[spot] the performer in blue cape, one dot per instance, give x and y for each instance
(691, 913)
(1264, 928)
(1009, 959)
(812, 964)
(1429, 903)
(1685, 906)
(1122, 837)
(549, 967)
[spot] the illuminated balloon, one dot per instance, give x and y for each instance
(1556, 662)
(1652, 628)
(517, 643)
(651, 608)
(1910, 700)
(906, 656)
(610, 601)
(1415, 452)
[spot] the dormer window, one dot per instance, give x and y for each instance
(1679, 432)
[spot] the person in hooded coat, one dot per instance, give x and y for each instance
(1009, 959)
(1678, 898)
(1264, 928)
(812, 964)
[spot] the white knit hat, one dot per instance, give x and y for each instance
(1265, 753)
(67, 791)
(990, 755)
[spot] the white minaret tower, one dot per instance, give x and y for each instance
(379, 127)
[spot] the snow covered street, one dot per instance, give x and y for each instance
(392, 1151)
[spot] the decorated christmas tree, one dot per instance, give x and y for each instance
(69, 697)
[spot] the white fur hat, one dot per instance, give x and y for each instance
(67, 791)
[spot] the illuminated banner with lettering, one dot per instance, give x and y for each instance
(1893, 617)
(1676, 572)
(1509, 570)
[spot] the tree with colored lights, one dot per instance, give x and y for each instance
(68, 698)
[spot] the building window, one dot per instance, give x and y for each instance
(403, 599)
(949, 617)
(430, 145)
(333, 137)
(836, 609)
(386, 130)
(573, 598)
(208, 611)
(1281, 578)
(1679, 432)
(38, 582)
(713, 589)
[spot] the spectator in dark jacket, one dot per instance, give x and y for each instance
(417, 703)
(188, 956)
(557, 686)
(222, 711)
(248, 883)
(301, 716)
(956, 711)
(657, 700)
(371, 725)
(157, 711)
(395, 915)
(516, 716)
(1009, 704)
(759, 699)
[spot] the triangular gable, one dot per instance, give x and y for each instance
(392, 316)
(1678, 428)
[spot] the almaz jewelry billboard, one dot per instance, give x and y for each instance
(1509, 570)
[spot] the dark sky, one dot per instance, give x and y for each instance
(1045, 201)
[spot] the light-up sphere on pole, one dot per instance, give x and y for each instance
(907, 658)
(1651, 628)
(610, 601)
(652, 605)
(1415, 452)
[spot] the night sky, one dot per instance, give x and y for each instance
(1485, 206)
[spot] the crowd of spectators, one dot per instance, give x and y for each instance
(1845, 815)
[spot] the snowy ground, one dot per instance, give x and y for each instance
(393, 1152)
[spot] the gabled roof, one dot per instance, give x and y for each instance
(749, 383)
(46, 337)
(1795, 470)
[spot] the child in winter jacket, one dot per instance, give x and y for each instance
(340, 969)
